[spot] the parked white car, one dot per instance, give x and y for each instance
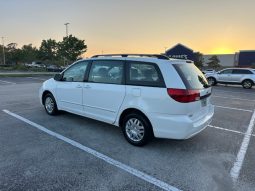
(35, 65)
(208, 71)
(241, 76)
(146, 96)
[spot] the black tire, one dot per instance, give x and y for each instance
(213, 81)
(247, 84)
(50, 97)
(147, 133)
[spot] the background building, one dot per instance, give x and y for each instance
(244, 58)
(180, 51)
(226, 60)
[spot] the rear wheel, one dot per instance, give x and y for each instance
(50, 104)
(137, 129)
(212, 81)
(247, 84)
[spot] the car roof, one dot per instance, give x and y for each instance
(238, 69)
(141, 59)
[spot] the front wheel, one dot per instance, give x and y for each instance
(50, 104)
(137, 129)
(247, 84)
(211, 81)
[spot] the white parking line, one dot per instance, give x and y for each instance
(7, 82)
(229, 130)
(239, 92)
(37, 78)
(101, 156)
(233, 98)
(233, 108)
(235, 171)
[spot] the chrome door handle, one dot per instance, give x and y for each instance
(78, 86)
(87, 87)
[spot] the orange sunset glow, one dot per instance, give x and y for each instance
(222, 50)
(143, 26)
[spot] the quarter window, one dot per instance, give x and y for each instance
(145, 74)
(238, 71)
(75, 73)
(109, 72)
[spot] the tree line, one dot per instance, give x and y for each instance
(213, 62)
(65, 52)
(50, 52)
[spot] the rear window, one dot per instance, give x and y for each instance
(238, 71)
(192, 77)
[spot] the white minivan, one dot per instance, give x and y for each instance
(146, 95)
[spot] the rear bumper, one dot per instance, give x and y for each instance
(180, 126)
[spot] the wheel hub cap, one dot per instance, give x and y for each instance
(134, 129)
(210, 81)
(247, 84)
(49, 104)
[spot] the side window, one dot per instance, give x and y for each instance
(237, 71)
(76, 72)
(145, 74)
(226, 72)
(246, 72)
(109, 72)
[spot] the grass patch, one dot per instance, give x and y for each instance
(27, 75)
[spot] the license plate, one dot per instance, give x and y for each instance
(204, 102)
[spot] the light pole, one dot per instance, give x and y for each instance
(3, 50)
(165, 48)
(66, 24)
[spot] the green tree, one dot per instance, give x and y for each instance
(28, 54)
(1, 55)
(213, 62)
(13, 54)
(71, 48)
(199, 60)
(48, 51)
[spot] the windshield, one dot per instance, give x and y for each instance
(192, 77)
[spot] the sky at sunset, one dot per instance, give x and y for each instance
(133, 26)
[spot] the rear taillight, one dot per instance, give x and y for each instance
(184, 96)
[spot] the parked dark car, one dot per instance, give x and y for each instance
(54, 68)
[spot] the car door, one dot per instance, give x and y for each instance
(70, 89)
(225, 75)
(237, 75)
(145, 87)
(240, 74)
(104, 92)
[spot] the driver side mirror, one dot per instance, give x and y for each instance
(58, 77)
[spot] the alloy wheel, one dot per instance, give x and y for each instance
(49, 104)
(134, 129)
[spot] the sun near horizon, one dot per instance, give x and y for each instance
(222, 50)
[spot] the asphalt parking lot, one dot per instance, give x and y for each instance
(82, 154)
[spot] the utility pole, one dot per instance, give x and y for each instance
(3, 50)
(66, 24)
(165, 48)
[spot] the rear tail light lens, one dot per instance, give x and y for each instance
(183, 95)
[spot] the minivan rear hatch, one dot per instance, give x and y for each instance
(197, 87)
